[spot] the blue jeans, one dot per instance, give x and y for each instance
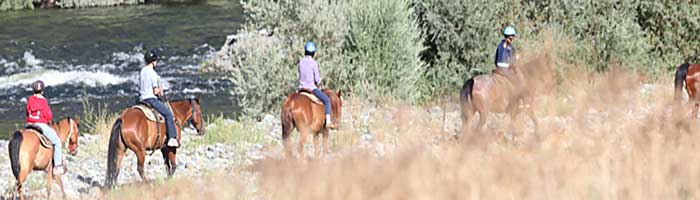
(53, 137)
(324, 98)
(169, 119)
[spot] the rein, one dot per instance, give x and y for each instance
(191, 117)
(70, 132)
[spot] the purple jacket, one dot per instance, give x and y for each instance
(308, 73)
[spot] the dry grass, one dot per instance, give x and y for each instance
(615, 142)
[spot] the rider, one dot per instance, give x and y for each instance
(309, 78)
(505, 53)
(149, 89)
(39, 115)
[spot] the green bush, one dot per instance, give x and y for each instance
(417, 49)
(15, 4)
(647, 36)
(383, 48)
(367, 47)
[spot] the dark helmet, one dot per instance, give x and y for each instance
(150, 56)
(38, 86)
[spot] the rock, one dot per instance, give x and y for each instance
(234, 48)
(268, 120)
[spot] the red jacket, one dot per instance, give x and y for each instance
(38, 110)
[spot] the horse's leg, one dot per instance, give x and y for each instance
(317, 151)
(287, 128)
(531, 114)
(170, 161)
(287, 143)
(49, 178)
(173, 161)
(483, 114)
(22, 176)
(140, 152)
(468, 114)
(60, 185)
(23, 173)
(325, 134)
(302, 139)
(164, 153)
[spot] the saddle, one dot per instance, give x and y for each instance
(311, 96)
(151, 113)
(45, 142)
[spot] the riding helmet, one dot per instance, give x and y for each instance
(38, 86)
(150, 56)
(310, 47)
(509, 31)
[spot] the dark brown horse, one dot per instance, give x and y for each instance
(134, 131)
(495, 93)
(27, 154)
(688, 75)
(308, 117)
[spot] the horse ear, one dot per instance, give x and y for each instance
(197, 99)
(340, 92)
(77, 120)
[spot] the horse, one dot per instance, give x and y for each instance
(132, 130)
(307, 116)
(489, 93)
(688, 75)
(27, 154)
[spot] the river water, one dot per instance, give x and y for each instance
(96, 53)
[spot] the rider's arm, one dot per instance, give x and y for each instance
(317, 76)
(47, 112)
(155, 82)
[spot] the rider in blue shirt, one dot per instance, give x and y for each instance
(505, 53)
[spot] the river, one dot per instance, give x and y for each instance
(96, 53)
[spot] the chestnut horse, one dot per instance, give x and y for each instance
(308, 117)
(27, 154)
(688, 74)
(134, 131)
(496, 93)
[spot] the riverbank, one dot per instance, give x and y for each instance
(10, 5)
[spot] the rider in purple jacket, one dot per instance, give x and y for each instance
(309, 79)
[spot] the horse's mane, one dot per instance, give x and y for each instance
(186, 99)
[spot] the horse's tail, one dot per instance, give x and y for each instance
(114, 143)
(681, 73)
(466, 92)
(14, 153)
(287, 121)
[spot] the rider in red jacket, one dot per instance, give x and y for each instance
(38, 110)
(39, 114)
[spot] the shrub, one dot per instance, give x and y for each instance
(369, 48)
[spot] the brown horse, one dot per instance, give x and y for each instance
(27, 154)
(496, 93)
(688, 74)
(134, 131)
(308, 117)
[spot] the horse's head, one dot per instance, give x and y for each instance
(336, 104)
(196, 116)
(69, 128)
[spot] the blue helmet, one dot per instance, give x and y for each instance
(509, 31)
(310, 47)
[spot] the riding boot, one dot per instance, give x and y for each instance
(329, 123)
